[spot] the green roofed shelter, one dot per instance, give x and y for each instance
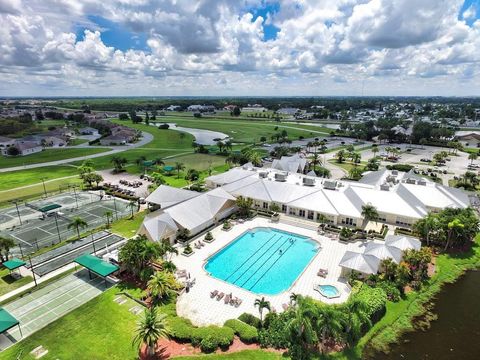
(14, 263)
(168, 168)
(96, 265)
(49, 207)
(148, 163)
(7, 321)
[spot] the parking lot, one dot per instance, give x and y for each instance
(115, 179)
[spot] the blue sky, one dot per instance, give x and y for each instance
(269, 31)
(468, 4)
(115, 34)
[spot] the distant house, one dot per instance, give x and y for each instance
(6, 142)
(88, 131)
(24, 148)
(468, 139)
(120, 136)
(53, 141)
(201, 108)
(229, 107)
(288, 111)
(173, 108)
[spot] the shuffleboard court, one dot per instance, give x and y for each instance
(40, 308)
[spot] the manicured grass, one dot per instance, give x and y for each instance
(246, 131)
(36, 190)
(8, 283)
(49, 155)
(77, 141)
(99, 329)
(240, 355)
(347, 165)
(128, 227)
(14, 179)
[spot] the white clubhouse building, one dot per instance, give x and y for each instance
(400, 199)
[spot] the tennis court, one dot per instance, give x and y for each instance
(40, 308)
(39, 230)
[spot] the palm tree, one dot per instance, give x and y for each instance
(340, 156)
(162, 284)
(375, 151)
(77, 223)
(453, 226)
(357, 319)
(255, 158)
(118, 163)
(179, 167)
(5, 245)
(322, 219)
(132, 205)
(315, 161)
(301, 331)
(369, 213)
(262, 304)
(472, 156)
(356, 158)
(329, 325)
(150, 329)
(293, 298)
(109, 215)
(159, 161)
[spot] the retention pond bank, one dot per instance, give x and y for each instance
(455, 334)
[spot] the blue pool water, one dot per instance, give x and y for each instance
(329, 291)
(263, 260)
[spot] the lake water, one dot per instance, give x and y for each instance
(456, 332)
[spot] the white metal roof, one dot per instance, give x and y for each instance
(230, 176)
(403, 242)
(167, 196)
(383, 251)
(367, 264)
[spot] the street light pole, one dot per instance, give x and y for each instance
(18, 212)
(93, 243)
(58, 230)
(31, 268)
(44, 188)
(115, 205)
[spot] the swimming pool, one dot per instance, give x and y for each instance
(263, 260)
(329, 291)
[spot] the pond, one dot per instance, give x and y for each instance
(455, 334)
(202, 137)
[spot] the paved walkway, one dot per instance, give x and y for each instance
(146, 138)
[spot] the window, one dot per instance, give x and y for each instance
(291, 211)
(265, 205)
(301, 213)
(284, 208)
(310, 215)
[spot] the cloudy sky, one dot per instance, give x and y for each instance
(239, 47)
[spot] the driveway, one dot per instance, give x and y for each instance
(146, 138)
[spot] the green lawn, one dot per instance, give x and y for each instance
(49, 155)
(14, 179)
(8, 283)
(241, 355)
(77, 141)
(99, 329)
(128, 227)
(347, 165)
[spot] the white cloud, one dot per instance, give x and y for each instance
(214, 47)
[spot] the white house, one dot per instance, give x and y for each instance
(24, 148)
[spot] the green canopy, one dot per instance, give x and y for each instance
(7, 321)
(98, 266)
(148, 163)
(49, 207)
(168, 168)
(14, 263)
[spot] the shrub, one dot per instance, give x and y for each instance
(273, 334)
(247, 333)
(393, 294)
(209, 236)
(250, 320)
(208, 345)
(163, 126)
(182, 329)
(400, 167)
(375, 300)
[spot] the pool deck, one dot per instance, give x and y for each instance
(202, 310)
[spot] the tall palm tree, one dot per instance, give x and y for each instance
(132, 205)
(162, 284)
(262, 304)
(179, 167)
(453, 226)
(109, 215)
(329, 325)
(472, 157)
(301, 330)
(315, 160)
(369, 213)
(375, 151)
(322, 219)
(77, 223)
(151, 328)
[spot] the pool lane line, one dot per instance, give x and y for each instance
(271, 266)
(250, 257)
(269, 248)
(268, 258)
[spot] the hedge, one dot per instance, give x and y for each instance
(247, 333)
(205, 337)
(375, 300)
(250, 320)
(400, 167)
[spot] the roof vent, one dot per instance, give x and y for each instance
(308, 181)
(263, 174)
(422, 182)
(385, 187)
(281, 177)
(394, 172)
(329, 184)
(410, 181)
